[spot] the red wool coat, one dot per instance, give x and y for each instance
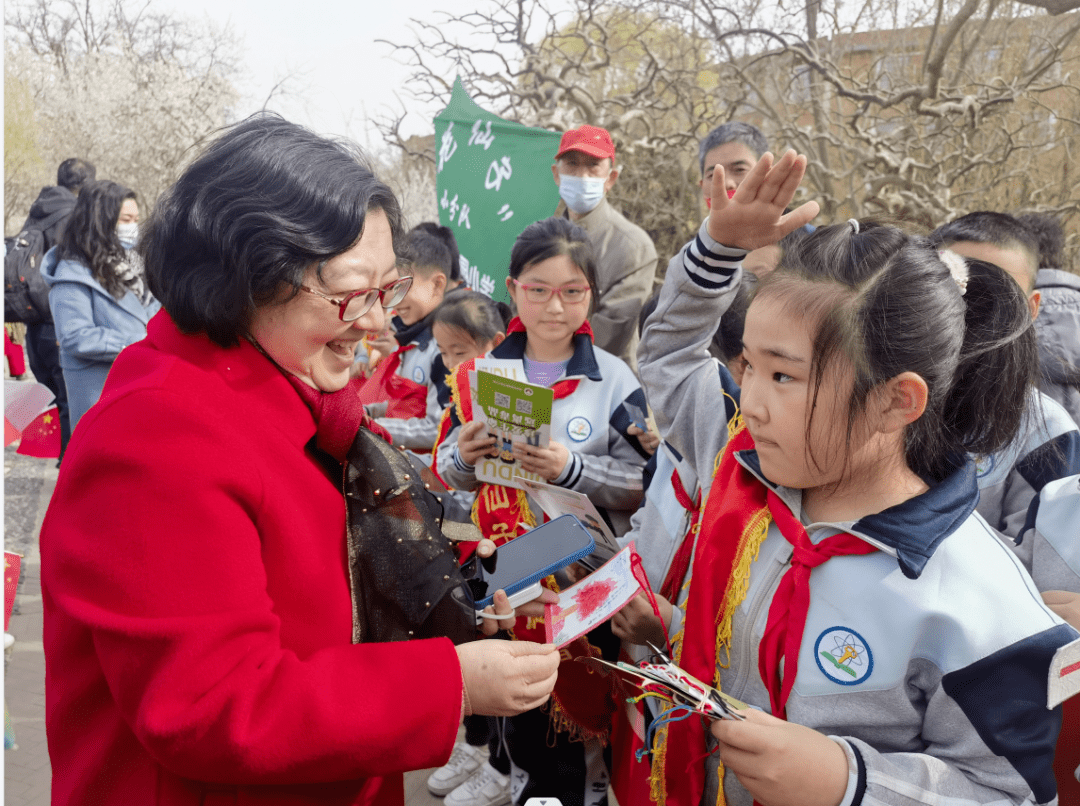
(197, 611)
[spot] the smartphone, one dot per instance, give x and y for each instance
(518, 566)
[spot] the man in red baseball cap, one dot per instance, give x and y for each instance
(585, 171)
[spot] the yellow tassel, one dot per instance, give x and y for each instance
(527, 515)
(749, 546)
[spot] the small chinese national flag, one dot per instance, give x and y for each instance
(42, 437)
(12, 562)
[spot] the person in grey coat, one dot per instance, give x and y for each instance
(98, 295)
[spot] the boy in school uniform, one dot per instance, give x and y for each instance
(407, 373)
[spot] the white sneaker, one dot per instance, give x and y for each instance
(486, 787)
(464, 761)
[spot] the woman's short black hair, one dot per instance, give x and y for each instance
(265, 202)
(90, 234)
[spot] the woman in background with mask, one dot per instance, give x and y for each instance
(98, 294)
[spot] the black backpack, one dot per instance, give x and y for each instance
(26, 296)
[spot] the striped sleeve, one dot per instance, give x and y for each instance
(710, 264)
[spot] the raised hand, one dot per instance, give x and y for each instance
(754, 216)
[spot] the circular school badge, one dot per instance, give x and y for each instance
(844, 656)
(418, 374)
(579, 429)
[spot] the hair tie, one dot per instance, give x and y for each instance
(957, 266)
(854, 224)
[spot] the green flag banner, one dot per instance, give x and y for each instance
(493, 179)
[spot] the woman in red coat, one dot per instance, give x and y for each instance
(198, 612)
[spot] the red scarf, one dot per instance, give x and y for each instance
(787, 613)
(734, 524)
(680, 564)
(338, 416)
(405, 397)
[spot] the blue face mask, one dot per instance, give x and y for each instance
(128, 234)
(581, 193)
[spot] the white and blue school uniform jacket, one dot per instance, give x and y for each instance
(605, 461)
(417, 433)
(1051, 551)
(1047, 448)
(927, 661)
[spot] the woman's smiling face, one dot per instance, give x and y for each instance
(305, 335)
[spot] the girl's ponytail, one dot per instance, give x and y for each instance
(982, 412)
(888, 302)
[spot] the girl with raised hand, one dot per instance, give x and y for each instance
(841, 582)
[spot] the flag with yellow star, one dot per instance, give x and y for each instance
(12, 564)
(42, 437)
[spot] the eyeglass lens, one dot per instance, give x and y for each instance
(359, 305)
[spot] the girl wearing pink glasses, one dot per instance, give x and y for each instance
(551, 283)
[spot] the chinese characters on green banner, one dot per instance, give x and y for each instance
(493, 179)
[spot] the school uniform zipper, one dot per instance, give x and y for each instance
(764, 598)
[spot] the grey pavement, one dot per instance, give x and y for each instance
(28, 485)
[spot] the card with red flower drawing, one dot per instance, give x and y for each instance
(592, 600)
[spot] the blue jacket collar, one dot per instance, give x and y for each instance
(911, 530)
(582, 362)
(419, 332)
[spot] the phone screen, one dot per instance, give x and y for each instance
(528, 559)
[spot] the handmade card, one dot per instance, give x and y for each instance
(514, 411)
(592, 601)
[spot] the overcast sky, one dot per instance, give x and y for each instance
(340, 76)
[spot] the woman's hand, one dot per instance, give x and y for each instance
(504, 678)
(754, 216)
(548, 463)
(1066, 605)
(474, 442)
(781, 763)
(638, 624)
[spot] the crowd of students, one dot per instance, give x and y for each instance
(860, 517)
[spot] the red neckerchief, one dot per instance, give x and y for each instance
(787, 613)
(680, 564)
(734, 523)
(404, 397)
